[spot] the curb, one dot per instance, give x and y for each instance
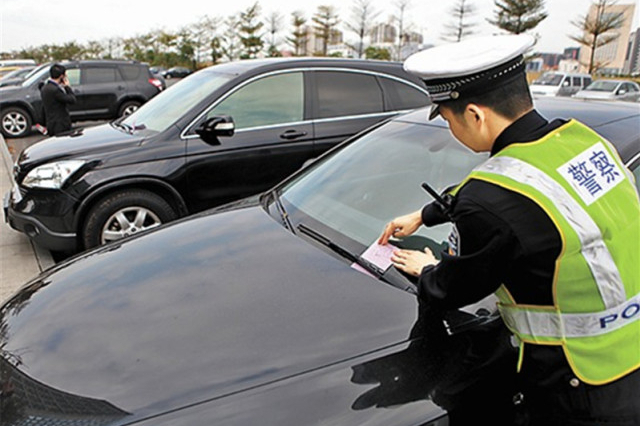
(43, 257)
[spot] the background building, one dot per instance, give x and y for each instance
(611, 56)
(632, 60)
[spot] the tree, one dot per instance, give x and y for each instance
(186, 48)
(325, 20)
(518, 16)
(249, 32)
(596, 31)
(377, 53)
(362, 13)
(230, 39)
(274, 25)
(299, 35)
(216, 49)
(461, 27)
(203, 33)
(402, 6)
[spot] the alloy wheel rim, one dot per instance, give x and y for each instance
(14, 123)
(128, 221)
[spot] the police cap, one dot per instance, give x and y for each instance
(470, 67)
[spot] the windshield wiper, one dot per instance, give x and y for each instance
(368, 266)
(283, 213)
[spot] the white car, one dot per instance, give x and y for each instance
(559, 84)
(622, 90)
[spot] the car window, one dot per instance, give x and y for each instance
(74, 76)
(130, 72)
(402, 96)
(549, 79)
(587, 81)
(576, 81)
(357, 192)
(603, 86)
(275, 99)
(347, 93)
(632, 87)
(99, 75)
(166, 108)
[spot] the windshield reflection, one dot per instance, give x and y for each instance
(378, 177)
(167, 107)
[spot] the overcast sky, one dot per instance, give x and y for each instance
(25, 23)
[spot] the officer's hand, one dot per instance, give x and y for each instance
(402, 226)
(413, 261)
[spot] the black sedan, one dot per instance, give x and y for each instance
(176, 72)
(221, 134)
(254, 314)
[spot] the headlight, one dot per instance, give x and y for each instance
(52, 175)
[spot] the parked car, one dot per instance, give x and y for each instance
(16, 76)
(17, 62)
(253, 314)
(157, 73)
(613, 90)
(221, 134)
(178, 72)
(104, 90)
(559, 84)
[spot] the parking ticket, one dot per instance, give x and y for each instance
(379, 255)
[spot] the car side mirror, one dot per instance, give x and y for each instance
(565, 84)
(621, 92)
(214, 127)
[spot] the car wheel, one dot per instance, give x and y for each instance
(168, 76)
(128, 108)
(15, 122)
(125, 213)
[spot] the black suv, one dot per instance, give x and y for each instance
(223, 133)
(104, 90)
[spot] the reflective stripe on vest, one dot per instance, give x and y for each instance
(545, 323)
(594, 250)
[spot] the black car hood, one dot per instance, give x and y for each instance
(84, 144)
(204, 308)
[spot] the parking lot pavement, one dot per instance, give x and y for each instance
(20, 260)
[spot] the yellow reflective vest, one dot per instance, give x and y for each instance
(577, 178)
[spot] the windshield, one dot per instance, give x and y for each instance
(38, 74)
(166, 108)
(549, 80)
(602, 86)
(377, 178)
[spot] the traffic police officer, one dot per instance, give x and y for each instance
(550, 223)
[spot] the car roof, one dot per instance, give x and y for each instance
(616, 121)
(240, 67)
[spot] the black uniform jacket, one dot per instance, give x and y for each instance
(504, 237)
(55, 100)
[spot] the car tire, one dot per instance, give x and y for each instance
(15, 122)
(124, 213)
(128, 107)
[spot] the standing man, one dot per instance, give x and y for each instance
(550, 223)
(56, 95)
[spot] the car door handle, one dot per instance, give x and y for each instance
(121, 87)
(292, 134)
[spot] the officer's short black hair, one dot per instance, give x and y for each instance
(510, 99)
(57, 70)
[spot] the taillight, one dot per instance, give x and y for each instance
(156, 83)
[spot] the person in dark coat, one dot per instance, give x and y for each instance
(56, 96)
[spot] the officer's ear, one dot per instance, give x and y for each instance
(475, 114)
